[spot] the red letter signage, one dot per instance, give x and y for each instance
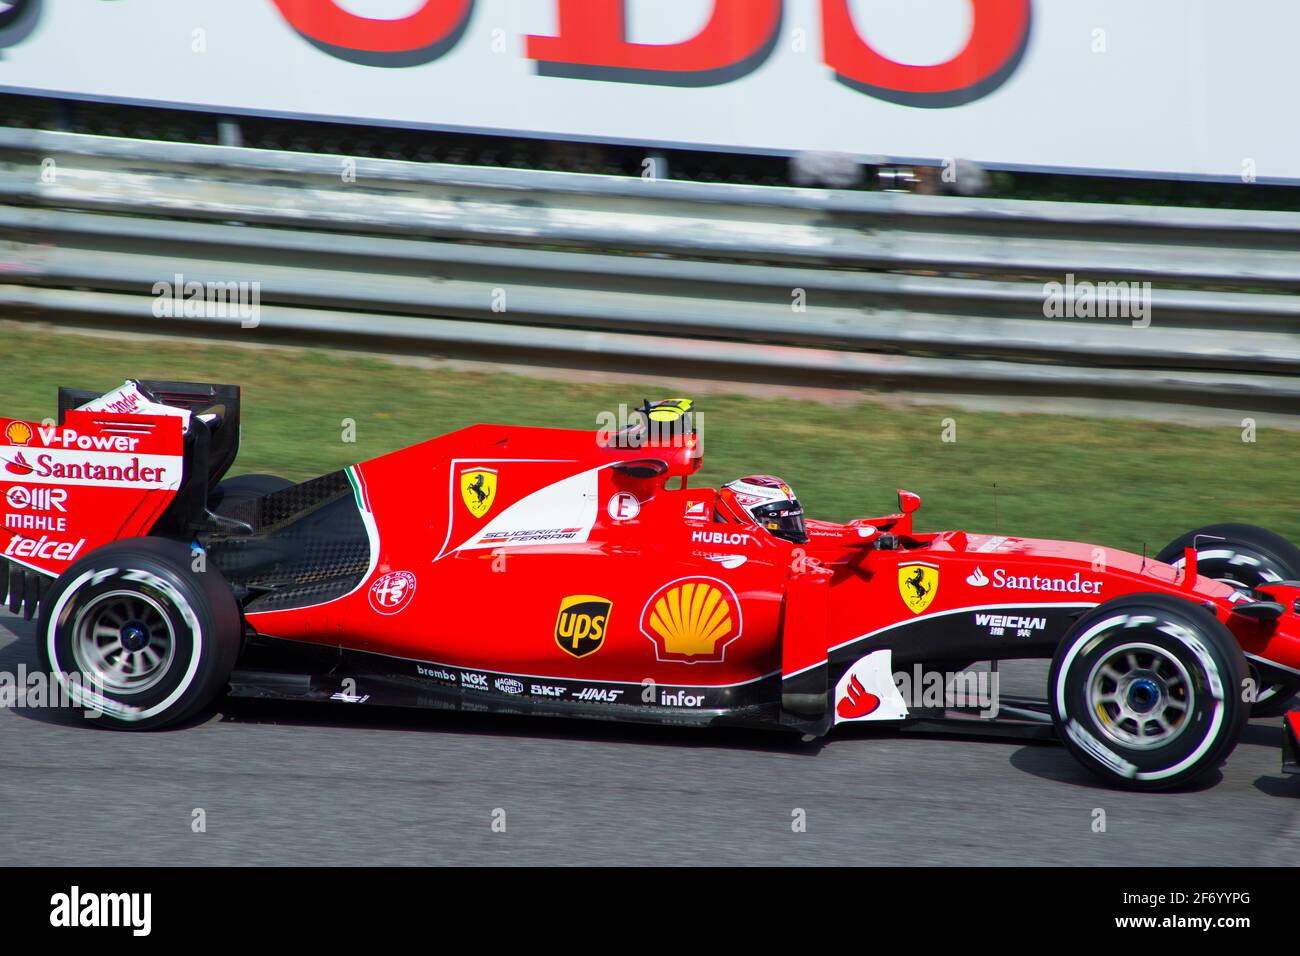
(592, 45)
(422, 36)
(997, 41)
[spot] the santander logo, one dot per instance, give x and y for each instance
(1003, 580)
(19, 466)
(856, 702)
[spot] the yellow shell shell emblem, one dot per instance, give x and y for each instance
(917, 584)
(478, 489)
(18, 433)
(693, 619)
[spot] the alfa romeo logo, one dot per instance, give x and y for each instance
(392, 591)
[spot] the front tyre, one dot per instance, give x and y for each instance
(1146, 691)
(134, 633)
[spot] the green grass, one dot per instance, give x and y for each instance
(1119, 483)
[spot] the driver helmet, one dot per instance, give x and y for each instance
(770, 502)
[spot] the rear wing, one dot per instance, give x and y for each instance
(70, 485)
(216, 407)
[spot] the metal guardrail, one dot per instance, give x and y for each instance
(900, 292)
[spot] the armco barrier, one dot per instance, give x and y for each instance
(897, 291)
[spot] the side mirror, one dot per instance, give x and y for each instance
(907, 503)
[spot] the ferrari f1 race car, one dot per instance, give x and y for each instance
(578, 573)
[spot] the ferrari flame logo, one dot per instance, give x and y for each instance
(917, 584)
(18, 433)
(478, 489)
(692, 620)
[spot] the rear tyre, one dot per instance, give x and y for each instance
(135, 635)
(1145, 691)
(1245, 556)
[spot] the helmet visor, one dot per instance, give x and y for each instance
(783, 519)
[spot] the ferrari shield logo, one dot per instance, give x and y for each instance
(478, 489)
(917, 584)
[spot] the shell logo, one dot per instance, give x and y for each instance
(692, 620)
(18, 433)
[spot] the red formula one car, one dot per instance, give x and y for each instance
(578, 573)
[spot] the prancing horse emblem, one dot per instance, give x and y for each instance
(917, 584)
(478, 489)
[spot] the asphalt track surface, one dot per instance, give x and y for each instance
(348, 784)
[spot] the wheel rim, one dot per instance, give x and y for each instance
(123, 641)
(1141, 694)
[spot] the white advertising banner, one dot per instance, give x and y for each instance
(1182, 88)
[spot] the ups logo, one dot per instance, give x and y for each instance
(581, 623)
